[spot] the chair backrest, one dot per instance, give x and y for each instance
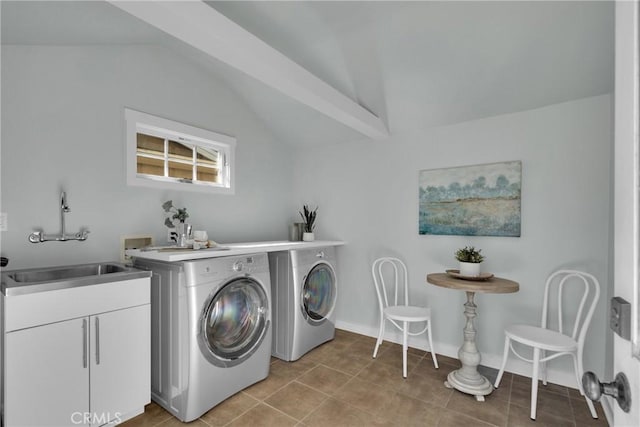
(393, 279)
(585, 297)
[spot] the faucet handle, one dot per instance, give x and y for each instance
(82, 234)
(63, 202)
(36, 237)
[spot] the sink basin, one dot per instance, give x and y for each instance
(50, 278)
(60, 273)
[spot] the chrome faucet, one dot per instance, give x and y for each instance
(39, 236)
(64, 208)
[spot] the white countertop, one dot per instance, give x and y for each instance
(226, 249)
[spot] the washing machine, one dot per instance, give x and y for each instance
(211, 330)
(304, 291)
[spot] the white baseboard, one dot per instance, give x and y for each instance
(514, 365)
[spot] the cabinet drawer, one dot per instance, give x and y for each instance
(25, 311)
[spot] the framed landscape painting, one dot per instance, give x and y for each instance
(480, 200)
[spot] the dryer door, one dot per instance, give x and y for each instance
(319, 293)
(234, 322)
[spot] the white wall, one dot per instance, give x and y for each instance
(367, 194)
(63, 127)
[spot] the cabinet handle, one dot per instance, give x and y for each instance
(84, 343)
(97, 341)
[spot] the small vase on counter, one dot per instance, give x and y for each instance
(184, 233)
(309, 217)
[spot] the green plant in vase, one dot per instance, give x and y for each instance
(309, 218)
(178, 213)
(183, 230)
(470, 259)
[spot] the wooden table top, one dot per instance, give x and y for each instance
(495, 285)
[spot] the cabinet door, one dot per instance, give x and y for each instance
(47, 375)
(120, 362)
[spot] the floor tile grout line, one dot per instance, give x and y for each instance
(290, 382)
(242, 414)
(282, 412)
(327, 395)
(348, 373)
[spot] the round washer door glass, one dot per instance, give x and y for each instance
(319, 292)
(235, 321)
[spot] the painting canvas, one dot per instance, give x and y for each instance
(480, 200)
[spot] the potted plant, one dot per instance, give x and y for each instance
(183, 230)
(178, 213)
(470, 259)
(309, 218)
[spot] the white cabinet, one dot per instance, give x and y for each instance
(92, 369)
(120, 361)
(45, 378)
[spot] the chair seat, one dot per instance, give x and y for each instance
(542, 338)
(407, 313)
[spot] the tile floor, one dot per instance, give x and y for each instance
(339, 384)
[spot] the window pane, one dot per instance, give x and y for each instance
(147, 144)
(150, 166)
(180, 170)
(207, 174)
(207, 156)
(180, 151)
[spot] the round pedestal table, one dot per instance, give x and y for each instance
(467, 379)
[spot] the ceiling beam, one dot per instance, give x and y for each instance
(204, 28)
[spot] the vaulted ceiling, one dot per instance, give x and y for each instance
(412, 64)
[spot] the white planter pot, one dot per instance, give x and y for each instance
(308, 237)
(470, 269)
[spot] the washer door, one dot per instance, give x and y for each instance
(319, 293)
(234, 322)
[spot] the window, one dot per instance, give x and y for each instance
(165, 154)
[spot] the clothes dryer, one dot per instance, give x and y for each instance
(211, 330)
(304, 291)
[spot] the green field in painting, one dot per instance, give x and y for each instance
(471, 217)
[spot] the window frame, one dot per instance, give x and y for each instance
(139, 122)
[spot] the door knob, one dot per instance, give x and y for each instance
(619, 389)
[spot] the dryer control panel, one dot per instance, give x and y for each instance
(311, 256)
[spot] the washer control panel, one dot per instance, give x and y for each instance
(243, 264)
(218, 268)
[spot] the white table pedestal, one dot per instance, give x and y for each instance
(467, 379)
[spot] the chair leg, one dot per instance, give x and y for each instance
(504, 362)
(577, 364)
(379, 340)
(534, 382)
(577, 368)
(543, 368)
(592, 409)
(405, 337)
(433, 351)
